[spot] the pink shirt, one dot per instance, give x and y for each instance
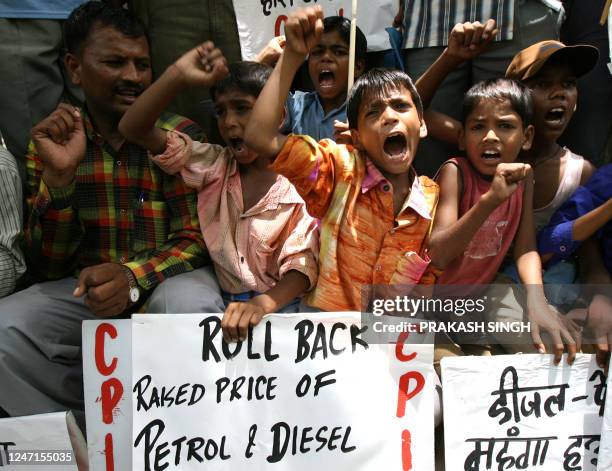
(486, 251)
(251, 250)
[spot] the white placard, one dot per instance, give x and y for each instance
(522, 412)
(259, 21)
(605, 449)
(107, 375)
(360, 406)
(37, 442)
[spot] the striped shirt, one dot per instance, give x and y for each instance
(428, 23)
(120, 208)
(12, 263)
(253, 248)
(362, 241)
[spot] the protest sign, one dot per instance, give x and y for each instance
(42, 441)
(259, 22)
(107, 375)
(523, 413)
(301, 393)
(605, 449)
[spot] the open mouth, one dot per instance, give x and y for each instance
(555, 115)
(395, 146)
(238, 147)
(491, 155)
(327, 79)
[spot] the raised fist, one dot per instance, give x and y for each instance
(202, 66)
(303, 30)
(61, 143)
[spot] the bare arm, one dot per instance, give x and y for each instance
(588, 224)
(202, 66)
(540, 314)
(238, 317)
(442, 127)
(466, 41)
(451, 234)
(303, 30)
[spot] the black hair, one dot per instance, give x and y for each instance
(376, 82)
(343, 26)
(501, 89)
(248, 77)
(95, 13)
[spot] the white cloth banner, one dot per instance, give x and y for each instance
(260, 21)
(605, 449)
(39, 442)
(107, 375)
(522, 412)
(301, 393)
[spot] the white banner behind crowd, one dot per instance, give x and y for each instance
(298, 394)
(605, 449)
(260, 21)
(523, 413)
(107, 374)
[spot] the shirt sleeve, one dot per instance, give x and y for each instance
(300, 250)
(556, 238)
(53, 232)
(12, 263)
(309, 166)
(192, 159)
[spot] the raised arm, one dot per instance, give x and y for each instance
(466, 41)
(451, 234)
(303, 31)
(201, 66)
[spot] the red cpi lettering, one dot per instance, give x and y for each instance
(406, 451)
(109, 453)
(399, 348)
(279, 22)
(111, 393)
(404, 394)
(101, 364)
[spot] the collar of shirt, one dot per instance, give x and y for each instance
(314, 97)
(282, 192)
(416, 200)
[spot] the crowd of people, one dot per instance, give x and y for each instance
(300, 198)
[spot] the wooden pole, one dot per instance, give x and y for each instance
(351, 71)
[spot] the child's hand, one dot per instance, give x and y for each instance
(505, 181)
(342, 134)
(542, 316)
(303, 30)
(202, 66)
(237, 319)
(599, 321)
(467, 40)
(272, 51)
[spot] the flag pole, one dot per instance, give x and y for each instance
(351, 71)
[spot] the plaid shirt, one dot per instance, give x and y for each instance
(120, 208)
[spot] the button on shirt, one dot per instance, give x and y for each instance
(305, 115)
(362, 241)
(556, 238)
(251, 249)
(131, 213)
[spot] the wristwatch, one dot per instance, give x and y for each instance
(134, 290)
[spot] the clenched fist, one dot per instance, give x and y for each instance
(61, 143)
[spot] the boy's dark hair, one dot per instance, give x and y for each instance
(377, 82)
(500, 89)
(95, 13)
(248, 77)
(343, 26)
